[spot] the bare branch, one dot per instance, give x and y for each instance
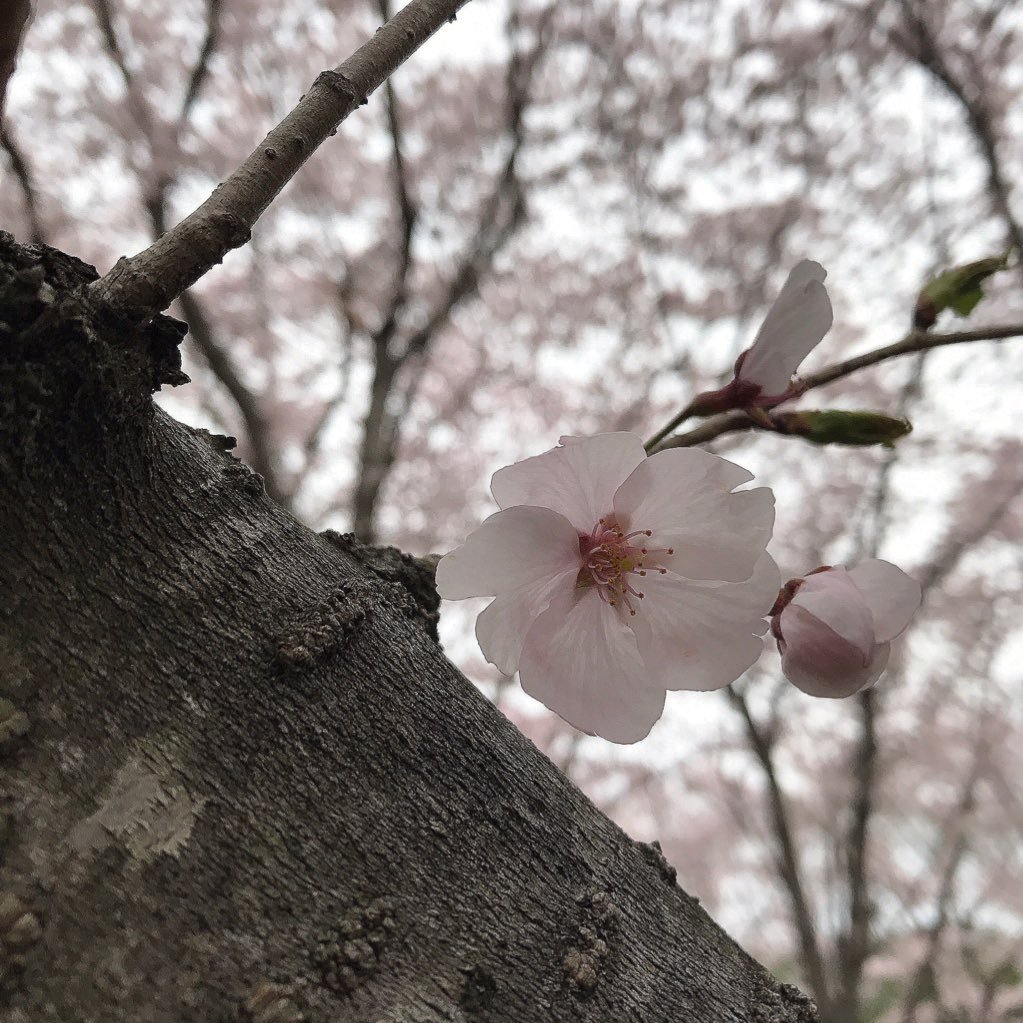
(24, 176)
(926, 969)
(787, 856)
(311, 445)
(502, 213)
(855, 946)
(202, 65)
(136, 102)
(915, 341)
(406, 209)
(144, 284)
(257, 430)
(946, 560)
(921, 47)
(13, 19)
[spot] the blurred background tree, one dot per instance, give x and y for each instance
(568, 218)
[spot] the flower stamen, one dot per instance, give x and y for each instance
(609, 558)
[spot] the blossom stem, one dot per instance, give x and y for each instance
(654, 443)
(736, 422)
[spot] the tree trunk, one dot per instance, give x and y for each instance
(240, 779)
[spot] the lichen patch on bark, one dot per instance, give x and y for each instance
(144, 811)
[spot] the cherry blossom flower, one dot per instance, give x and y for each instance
(834, 627)
(794, 326)
(617, 577)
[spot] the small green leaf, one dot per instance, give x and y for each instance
(838, 426)
(958, 289)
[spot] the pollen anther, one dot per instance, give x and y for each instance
(609, 558)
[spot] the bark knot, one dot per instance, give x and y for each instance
(783, 1003)
(416, 577)
(654, 855)
(339, 83)
(326, 628)
(585, 960)
(241, 476)
(352, 951)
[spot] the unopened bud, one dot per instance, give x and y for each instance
(838, 426)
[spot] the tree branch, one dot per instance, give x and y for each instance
(139, 286)
(201, 69)
(915, 341)
(954, 550)
(925, 972)
(407, 211)
(501, 214)
(788, 857)
(136, 102)
(258, 434)
(923, 50)
(855, 946)
(24, 176)
(13, 19)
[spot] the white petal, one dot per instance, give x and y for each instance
(683, 496)
(703, 635)
(502, 626)
(577, 480)
(836, 601)
(892, 596)
(581, 661)
(511, 549)
(821, 663)
(793, 327)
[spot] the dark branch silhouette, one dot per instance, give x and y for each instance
(13, 19)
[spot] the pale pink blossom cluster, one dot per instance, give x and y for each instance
(617, 577)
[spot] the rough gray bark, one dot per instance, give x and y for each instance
(241, 781)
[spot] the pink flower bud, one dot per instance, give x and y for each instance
(794, 326)
(834, 627)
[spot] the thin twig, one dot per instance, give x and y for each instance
(925, 970)
(201, 69)
(788, 857)
(915, 341)
(13, 19)
(145, 284)
(856, 946)
(24, 176)
(501, 215)
(921, 47)
(136, 102)
(258, 434)
(407, 210)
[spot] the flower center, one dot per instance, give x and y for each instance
(613, 560)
